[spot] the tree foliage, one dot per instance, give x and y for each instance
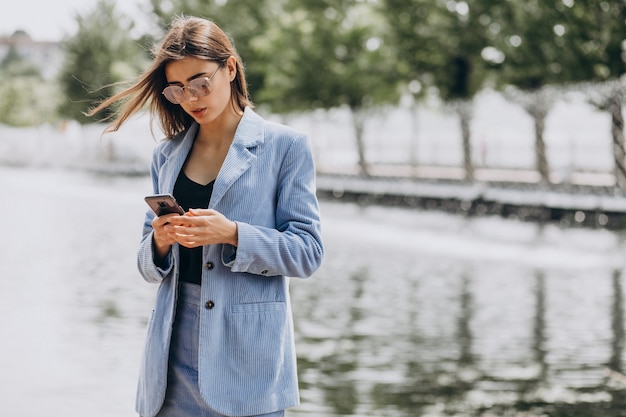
(27, 99)
(333, 54)
(596, 35)
(322, 54)
(442, 44)
(560, 43)
(101, 54)
(330, 54)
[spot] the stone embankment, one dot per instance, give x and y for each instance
(583, 199)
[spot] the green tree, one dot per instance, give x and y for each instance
(13, 64)
(26, 99)
(552, 45)
(535, 61)
(329, 54)
(441, 44)
(595, 34)
(101, 54)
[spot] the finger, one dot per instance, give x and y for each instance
(163, 220)
(202, 212)
(188, 241)
(179, 221)
(164, 235)
(185, 229)
(184, 237)
(191, 222)
(189, 245)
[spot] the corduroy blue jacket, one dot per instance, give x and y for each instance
(247, 363)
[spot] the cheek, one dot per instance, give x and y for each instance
(224, 92)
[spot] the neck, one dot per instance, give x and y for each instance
(220, 131)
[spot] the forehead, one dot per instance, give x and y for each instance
(183, 69)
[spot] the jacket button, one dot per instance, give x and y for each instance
(209, 305)
(209, 265)
(264, 272)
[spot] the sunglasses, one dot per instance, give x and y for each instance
(200, 87)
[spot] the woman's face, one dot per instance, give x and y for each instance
(209, 108)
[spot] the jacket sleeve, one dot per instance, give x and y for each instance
(294, 248)
(148, 269)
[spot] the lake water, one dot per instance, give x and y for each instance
(413, 313)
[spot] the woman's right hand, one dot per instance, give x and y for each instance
(163, 236)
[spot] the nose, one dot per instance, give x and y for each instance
(190, 97)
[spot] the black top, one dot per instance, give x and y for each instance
(190, 194)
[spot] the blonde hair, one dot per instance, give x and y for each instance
(187, 37)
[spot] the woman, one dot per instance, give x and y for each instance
(220, 339)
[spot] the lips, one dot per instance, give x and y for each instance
(199, 112)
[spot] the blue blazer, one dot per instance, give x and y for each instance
(247, 363)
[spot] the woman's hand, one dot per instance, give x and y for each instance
(199, 227)
(164, 236)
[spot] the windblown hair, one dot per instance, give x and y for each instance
(187, 37)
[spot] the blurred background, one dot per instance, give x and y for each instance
(471, 170)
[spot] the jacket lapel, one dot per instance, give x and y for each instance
(176, 155)
(240, 155)
(238, 159)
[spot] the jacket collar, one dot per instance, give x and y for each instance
(250, 130)
(249, 134)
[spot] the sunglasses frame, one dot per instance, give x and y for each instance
(172, 91)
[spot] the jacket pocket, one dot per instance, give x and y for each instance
(259, 338)
(258, 307)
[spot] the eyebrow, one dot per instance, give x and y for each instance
(193, 77)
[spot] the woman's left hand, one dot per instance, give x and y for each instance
(199, 227)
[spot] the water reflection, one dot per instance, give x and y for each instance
(532, 326)
(539, 345)
(617, 314)
(412, 314)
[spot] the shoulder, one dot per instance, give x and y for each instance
(255, 130)
(288, 145)
(275, 129)
(280, 134)
(168, 146)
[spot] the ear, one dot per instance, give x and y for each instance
(231, 65)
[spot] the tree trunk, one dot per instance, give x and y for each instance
(539, 117)
(609, 97)
(414, 135)
(359, 127)
(537, 103)
(465, 115)
(614, 107)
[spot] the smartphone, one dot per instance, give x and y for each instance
(164, 204)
